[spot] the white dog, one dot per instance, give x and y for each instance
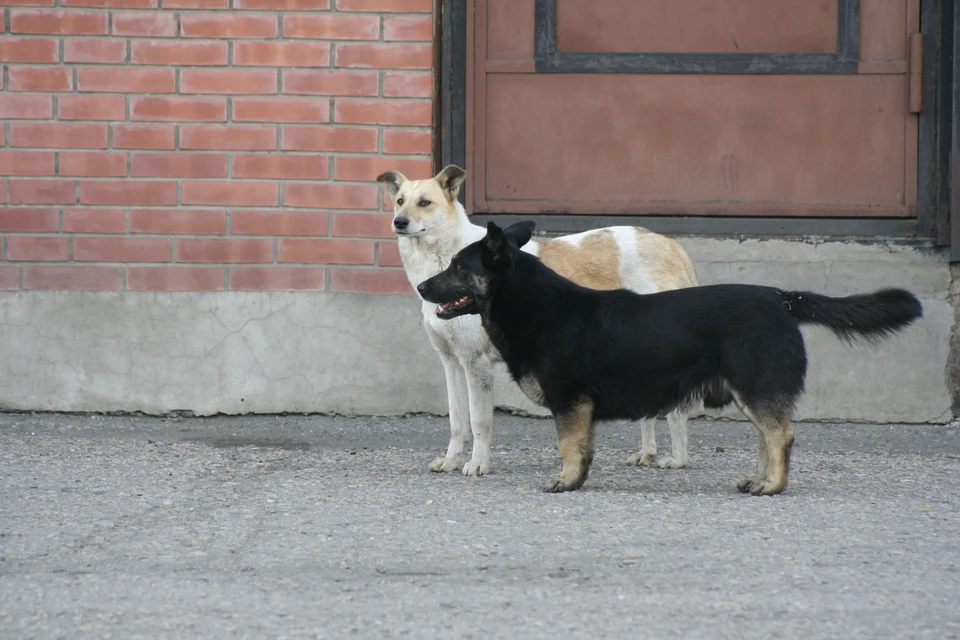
(432, 227)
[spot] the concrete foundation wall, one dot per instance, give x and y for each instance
(235, 352)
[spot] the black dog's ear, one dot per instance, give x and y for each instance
(494, 240)
(518, 234)
(450, 179)
(393, 180)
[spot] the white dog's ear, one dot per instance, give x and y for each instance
(393, 180)
(450, 179)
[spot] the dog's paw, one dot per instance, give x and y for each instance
(760, 487)
(641, 459)
(444, 465)
(476, 467)
(559, 484)
(670, 462)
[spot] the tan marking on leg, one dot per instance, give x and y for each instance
(575, 431)
(593, 263)
(779, 437)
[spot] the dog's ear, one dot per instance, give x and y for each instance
(494, 240)
(450, 179)
(518, 234)
(393, 180)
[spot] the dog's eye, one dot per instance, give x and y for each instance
(400, 201)
(424, 203)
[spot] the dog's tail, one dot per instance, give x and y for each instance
(868, 315)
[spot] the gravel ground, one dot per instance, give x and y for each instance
(330, 527)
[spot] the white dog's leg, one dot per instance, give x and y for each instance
(480, 387)
(677, 421)
(648, 444)
(459, 407)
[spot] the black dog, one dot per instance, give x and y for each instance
(598, 355)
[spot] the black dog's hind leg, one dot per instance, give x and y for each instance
(575, 431)
(775, 439)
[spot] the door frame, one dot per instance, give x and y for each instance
(937, 136)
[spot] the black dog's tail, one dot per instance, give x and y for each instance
(868, 315)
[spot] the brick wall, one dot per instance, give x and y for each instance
(207, 145)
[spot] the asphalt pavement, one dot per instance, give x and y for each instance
(332, 527)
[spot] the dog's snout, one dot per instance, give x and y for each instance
(422, 287)
(400, 223)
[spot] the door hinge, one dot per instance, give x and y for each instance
(915, 74)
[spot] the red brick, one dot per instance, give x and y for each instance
(29, 220)
(177, 109)
(388, 254)
(178, 52)
(250, 137)
(294, 138)
(330, 196)
(230, 81)
(33, 50)
(231, 193)
(58, 135)
(362, 168)
(384, 56)
(110, 4)
(94, 50)
(121, 192)
(40, 79)
(9, 278)
(126, 80)
(72, 277)
(408, 84)
(283, 5)
(13, 107)
(408, 28)
(331, 27)
(363, 225)
(370, 281)
(93, 163)
(178, 221)
(94, 220)
(331, 83)
(158, 24)
(87, 249)
(228, 25)
(43, 191)
(281, 54)
(179, 165)
(277, 278)
(281, 167)
(58, 22)
(280, 110)
(143, 136)
(391, 6)
(325, 251)
(174, 278)
(398, 112)
(224, 250)
(196, 4)
(77, 107)
(407, 141)
(23, 3)
(278, 223)
(27, 163)
(36, 248)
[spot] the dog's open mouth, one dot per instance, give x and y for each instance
(451, 308)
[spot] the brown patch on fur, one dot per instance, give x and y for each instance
(575, 431)
(594, 263)
(670, 266)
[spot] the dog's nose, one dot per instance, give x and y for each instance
(422, 287)
(401, 223)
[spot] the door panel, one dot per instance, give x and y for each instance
(826, 140)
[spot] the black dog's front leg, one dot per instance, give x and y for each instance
(575, 430)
